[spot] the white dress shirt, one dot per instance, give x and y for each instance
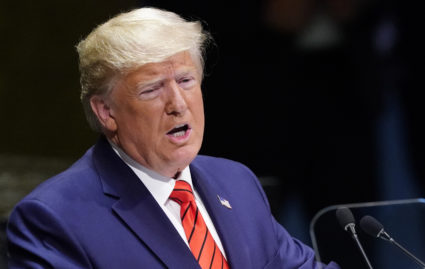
(161, 187)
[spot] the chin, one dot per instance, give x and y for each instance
(184, 156)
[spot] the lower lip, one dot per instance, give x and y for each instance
(181, 138)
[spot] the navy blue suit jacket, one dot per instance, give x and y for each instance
(98, 214)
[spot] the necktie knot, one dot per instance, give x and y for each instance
(182, 192)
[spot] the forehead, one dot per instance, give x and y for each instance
(179, 63)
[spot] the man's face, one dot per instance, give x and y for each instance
(156, 114)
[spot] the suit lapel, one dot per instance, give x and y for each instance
(139, 211)
(225, 220)
(151, 225)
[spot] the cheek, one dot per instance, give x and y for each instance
(198, 112)
(145, 115)
(198, 103)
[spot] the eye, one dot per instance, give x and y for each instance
(150, 92)
(186, 81)
(183, 80)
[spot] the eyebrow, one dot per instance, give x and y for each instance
(160, 79)
(185, 73)
(149, 83)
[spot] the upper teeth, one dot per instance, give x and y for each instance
(181, 133)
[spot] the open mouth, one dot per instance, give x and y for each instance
(179, 130)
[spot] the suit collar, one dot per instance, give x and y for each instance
(138, 209)
(225, 220)
(140, 212)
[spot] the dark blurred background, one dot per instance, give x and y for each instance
(322, 99)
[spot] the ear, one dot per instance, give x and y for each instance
(103, 113)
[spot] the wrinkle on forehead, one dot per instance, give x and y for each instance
(176, 65)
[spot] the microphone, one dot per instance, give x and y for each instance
(346, 219)
(374, 228)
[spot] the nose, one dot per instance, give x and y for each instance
(176, 103)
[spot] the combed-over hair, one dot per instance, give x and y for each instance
(128, 41)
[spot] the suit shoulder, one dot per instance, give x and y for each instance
(78, 175)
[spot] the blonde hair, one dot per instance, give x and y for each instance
(130, 40)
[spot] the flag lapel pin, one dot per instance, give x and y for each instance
(224, 202)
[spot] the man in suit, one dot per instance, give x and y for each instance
(141, 197)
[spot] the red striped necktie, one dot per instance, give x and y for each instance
(200, 240)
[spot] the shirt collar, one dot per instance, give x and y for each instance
(159, 186)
